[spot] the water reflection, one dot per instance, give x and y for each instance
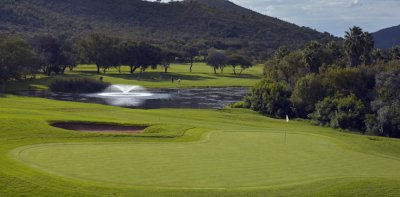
(141, 98)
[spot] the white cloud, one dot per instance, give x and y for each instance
(334, 16)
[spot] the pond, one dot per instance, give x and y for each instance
(140, 98)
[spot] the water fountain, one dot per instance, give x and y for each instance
(125, 91)
(127, 95)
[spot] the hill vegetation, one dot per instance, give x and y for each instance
(178, 25)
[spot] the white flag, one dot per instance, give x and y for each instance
(287, 118)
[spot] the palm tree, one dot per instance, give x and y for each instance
(353, 45)
(369, 44)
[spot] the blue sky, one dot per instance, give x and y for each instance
(333, 16)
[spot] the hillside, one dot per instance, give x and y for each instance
(387, 38)
(205, 23)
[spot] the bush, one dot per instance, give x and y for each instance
(239, 104)
(306, 94)
(340, 112)
(77, 85)
(270, 98)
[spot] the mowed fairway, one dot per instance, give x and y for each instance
(225, 160)
(202, 76)
(183, 152)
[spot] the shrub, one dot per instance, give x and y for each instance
(340, 112)
(270, 98)
(239, 104)
(77, 85)
(306, 94)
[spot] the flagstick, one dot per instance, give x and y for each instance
(287, 121)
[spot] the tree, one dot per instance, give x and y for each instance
(281, 53)
(190, 54)
(346, 81)
(270, 98)
(130, 55)
(148, 56)
(369, 44)
(306, 94)
(340, 112)
(167, 58)
(358, 44)
(54, 54)
(100, 50)
(16, 58)
(239, 60)
(386, 118)
(312, 56)
(395, 53)
(217, 59)
(289, 69)
(333, 54)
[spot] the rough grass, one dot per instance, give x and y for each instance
(232, 152)
(202, 76)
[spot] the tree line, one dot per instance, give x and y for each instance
(53, 55)
(349, 85)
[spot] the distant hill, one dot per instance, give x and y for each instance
(387, 38)
(204, 23)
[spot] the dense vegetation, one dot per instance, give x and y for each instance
(353, 86)
(53, 55)
(176, 25)
(77, 85)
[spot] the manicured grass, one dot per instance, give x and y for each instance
(229, 152)
(202, 76)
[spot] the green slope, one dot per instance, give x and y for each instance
(245, 155)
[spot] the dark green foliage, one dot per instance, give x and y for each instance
(361, 94)
(217, 59)
(239, 104)
(100, 50)
(287, 69)
(190, 53)
(77, 85)
(270, 98)
(346, 81)
(340, 112)
(241, 61)
(386, 120)
(16, 59)
(306, 94)
(312, 56)
(176, 25)
(358, 46)
(54, 54)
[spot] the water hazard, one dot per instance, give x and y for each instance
(141, 98)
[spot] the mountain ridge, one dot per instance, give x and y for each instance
(387, 37)
(213, 23)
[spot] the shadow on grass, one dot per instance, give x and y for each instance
(158, 77)
(242, 76)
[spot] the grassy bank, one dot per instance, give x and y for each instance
(202, 76)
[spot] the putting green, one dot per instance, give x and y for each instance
(229, 159)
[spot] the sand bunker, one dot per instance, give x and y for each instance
(98, 127)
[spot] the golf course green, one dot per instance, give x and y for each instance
(183, 152)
